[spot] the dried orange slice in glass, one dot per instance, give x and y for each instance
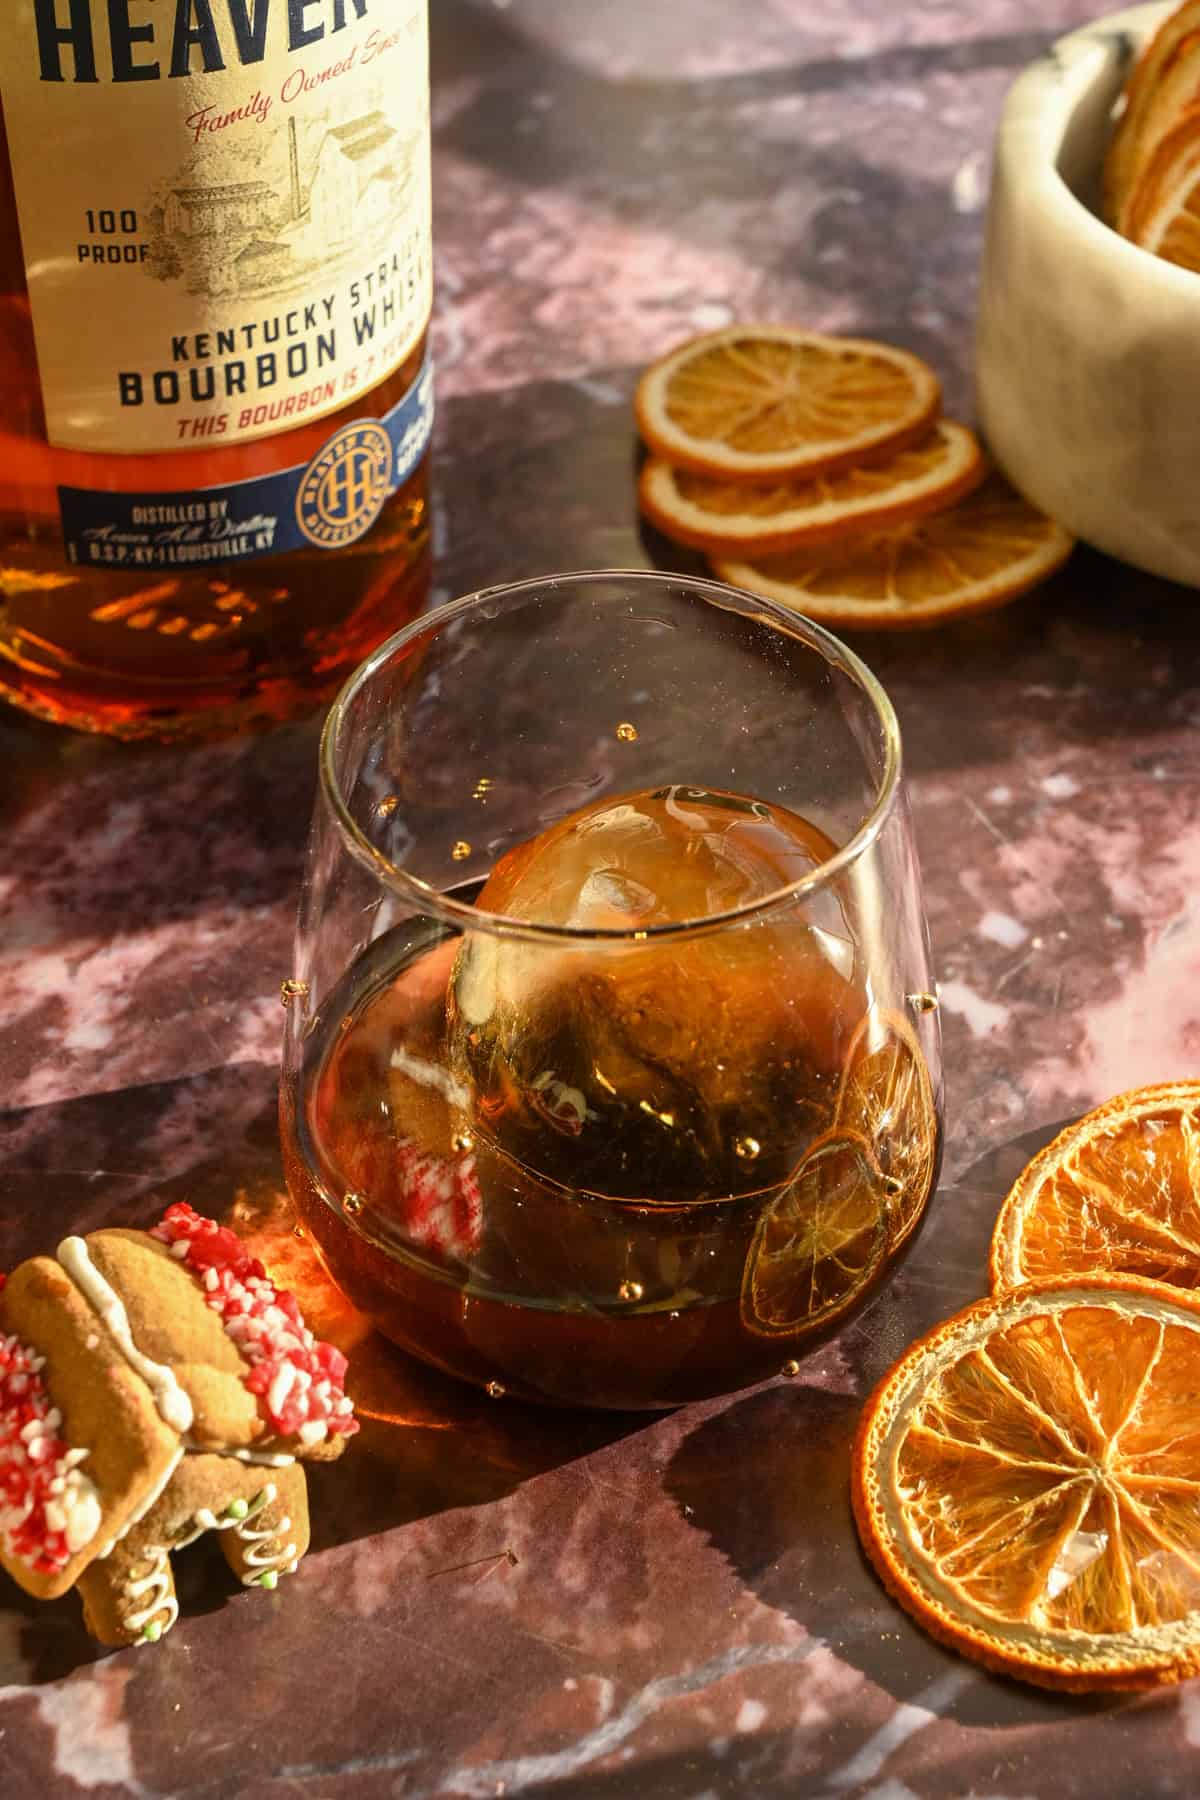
(818, 1243)
(989, 548)
(886, 1098)
(1027, 1483)
(753, 401)
(1164, 215)
(712, 513)
(1141, 101)
(1120, 1190)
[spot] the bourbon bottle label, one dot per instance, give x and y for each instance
(327, 503)
(225, 218)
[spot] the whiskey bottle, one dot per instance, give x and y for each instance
(215, 395)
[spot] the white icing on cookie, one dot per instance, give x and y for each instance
(203, 1519)
(266, 1550)
(173, 1405)
(157, 1584)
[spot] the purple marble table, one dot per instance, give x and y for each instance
(507, 1602)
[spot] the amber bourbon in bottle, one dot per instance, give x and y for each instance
(215, 399)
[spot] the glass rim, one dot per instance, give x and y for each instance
(463, 913)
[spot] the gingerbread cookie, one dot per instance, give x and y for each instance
(154, 1386)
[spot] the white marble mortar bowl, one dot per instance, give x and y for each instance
(1088, 348)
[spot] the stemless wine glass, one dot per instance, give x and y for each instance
(612, 1071)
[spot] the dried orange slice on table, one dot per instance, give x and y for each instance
(818, 1243)
(1027, 1483)
(756, 401)
(988, 549)
(719, 515)
(1118, 1191)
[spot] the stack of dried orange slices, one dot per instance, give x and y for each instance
(817, 472)
(1027, 1477)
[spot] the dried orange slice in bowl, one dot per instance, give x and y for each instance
(819, 1242)
(756, 401)
(1118, 1191)
(1175, 91)
(1027, 1483)
(713, 513)
(1142, 103)
(990, 548)
(1164, 214)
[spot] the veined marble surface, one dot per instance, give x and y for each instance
(502, 1601)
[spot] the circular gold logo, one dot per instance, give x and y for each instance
(343, 489)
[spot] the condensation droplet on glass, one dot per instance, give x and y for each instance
(627, 732)
(462, 1141)
(631, 1290)
(482, 787)
(747, 1148)
(923, 1003)
(290, 990)
(790, 1369)
(353, 1204)
(387, 806)
(460, 851)
(496, 1390)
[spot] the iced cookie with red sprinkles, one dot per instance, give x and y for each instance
(153, 1386)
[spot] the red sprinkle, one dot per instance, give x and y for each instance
(33, 1460)
(299, 1381)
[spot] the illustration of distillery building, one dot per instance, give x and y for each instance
(235, 208)
(357, 169)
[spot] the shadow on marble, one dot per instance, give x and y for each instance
(43, 1642)
(1106, 594)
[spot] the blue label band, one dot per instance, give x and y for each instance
(327, 503)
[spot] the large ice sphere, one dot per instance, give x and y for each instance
(676, 1067)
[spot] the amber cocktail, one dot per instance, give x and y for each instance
(612, 1069)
